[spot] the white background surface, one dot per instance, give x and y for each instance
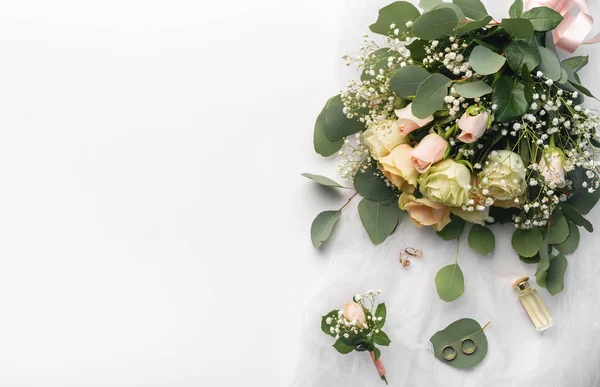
(154, 229)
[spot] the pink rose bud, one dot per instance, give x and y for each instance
(551, 167)
(429, 151)
(354, 312)
(408, 122)
(473, 127)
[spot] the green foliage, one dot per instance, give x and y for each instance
(518, 28)
(575, 217)
(428, 5)
(381, 338)
(379, 220)
(527, 242)
(397, 13)
(516, 9)
(453, 230)
(430, 95)
(450, 282)
(572, 243)
(453, 334)
(509, 97)
(550, 65)
(473, 9)
(555, 274)
(528, 87)
(582, 89)
(325, 181)
(583, 201)
(576, 63)
(482, 239)
(543, 18)
(337, 125)
(379, 61)
(435, 24)
(324, 326)
(484, 61)
(459, 13)
(381, 311)
(406, 81)
(322, 144)
(342, 347)
(322, 227)
(473, 25)
(520, 52)
(473, 89)
(371, 186)
(559, 228)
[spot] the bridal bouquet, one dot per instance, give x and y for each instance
(458, 118)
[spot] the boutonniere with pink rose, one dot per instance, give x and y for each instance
(358, 326)
(459, 122)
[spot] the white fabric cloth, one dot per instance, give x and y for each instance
(567, 354)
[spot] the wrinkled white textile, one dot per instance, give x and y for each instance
(568, 354)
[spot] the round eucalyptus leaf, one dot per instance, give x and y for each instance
(321, 143)
(555, 274)
(482, 239)
(337, 125)
(473, 25)
(428, 5)
(473, 9)
(527, 242)
(543, 18)
(378, 220)
(518, 28)
(520, 52)
(371, 186)
(576, 63)
(322, 226)
(509, 97)
(450, 282)
(550, 65)
(325, 181)
(485, 61)
(453, 230)
(453, 334)
(459, 12)
(407, 80)
(574, 216)
(430, 95)
(559, 229)
(516, 9)
(435, 24)
(572, 243)
(473, 89)
(398, 13)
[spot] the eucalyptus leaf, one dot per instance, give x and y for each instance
(430, 95)
(583, 201)
(576, 63)
(484, 61)
(342, 347)
(453, 334)
(555, 274)
(435, 24)
(371, 186)
(527, 242)
(473, 89)
(327, 182)
(378, 220)
(450, 282)
(482, 239)
(583, 89)
(406, 81)
(518, 28)
(377, 61)
(574, 216)
(520, 52)
(509, 97)
(428, 5)
(516, 9)
(559, 229)
(321, 143)
(398, 13)
(417, 49)
(550, 65)
(322, 227)
(337, 125)
(473, 25)
(459, 13)
(544, 262)
(531, 260)
(453, 230)
(528, 87)
(473, 9)
(572, 243)
(543, 18)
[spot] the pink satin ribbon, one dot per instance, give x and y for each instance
(378, 364)
(574, 29)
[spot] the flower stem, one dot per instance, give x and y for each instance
(349, 200)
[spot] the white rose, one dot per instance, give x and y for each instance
(503, 175)
(382, 137)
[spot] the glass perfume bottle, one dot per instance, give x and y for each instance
(533, 304)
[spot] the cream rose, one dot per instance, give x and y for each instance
(398, 168)
(429, 151)
(447, 182)
(425, 212)
(475, 217)
(473, 126)
(503, 176)
(354, 312)
(552, 169)
(382, 137)
(407, 122)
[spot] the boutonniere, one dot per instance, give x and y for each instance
(358, 326)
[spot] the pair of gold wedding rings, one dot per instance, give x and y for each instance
(467, 346)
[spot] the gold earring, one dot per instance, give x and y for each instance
(451, 355)
(468, 351)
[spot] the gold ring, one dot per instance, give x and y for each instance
(469, 351)
(451, 356)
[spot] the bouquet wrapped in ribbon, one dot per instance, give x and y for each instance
(461, 119)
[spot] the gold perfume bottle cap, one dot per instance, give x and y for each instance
(521, 283)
